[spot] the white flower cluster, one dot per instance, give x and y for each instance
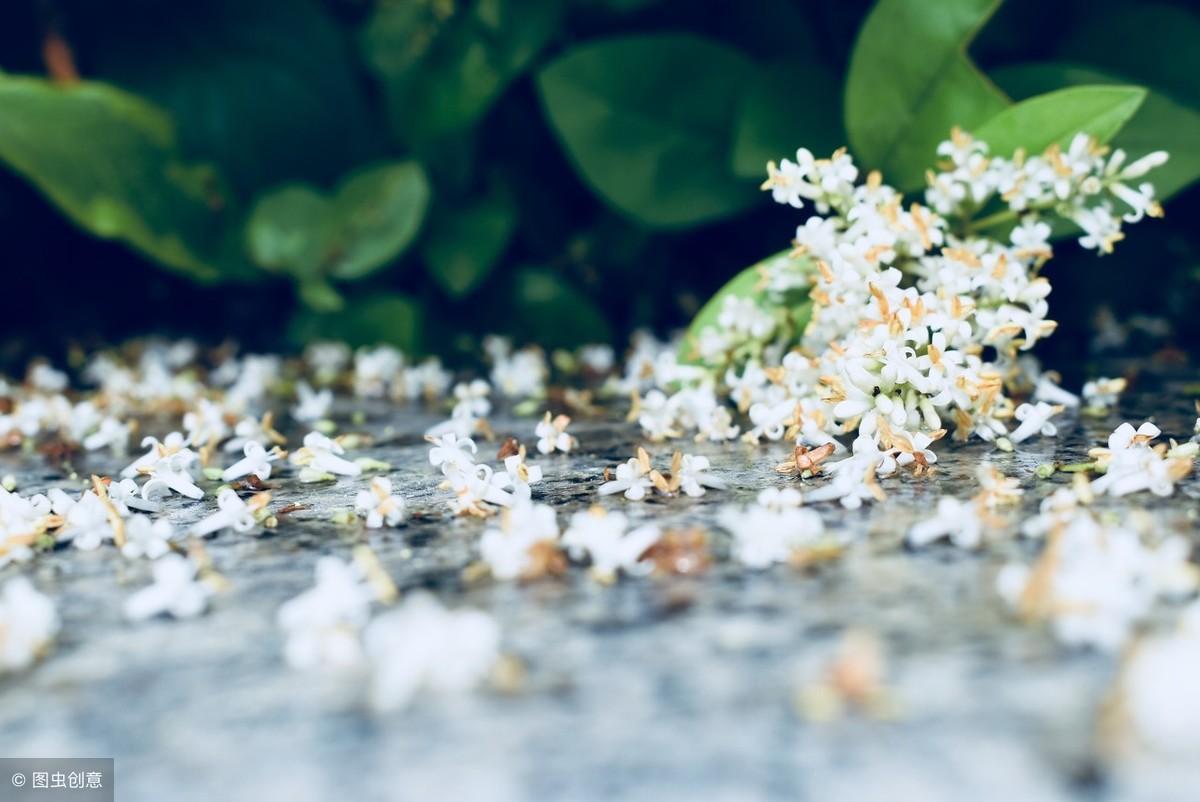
(688, 474)
(478, 489)
(1094, 581)
(920, 313)
(418, 645)
(773, 529)
(1131, 465)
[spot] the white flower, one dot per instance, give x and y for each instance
(28, 624)
(232, 513)
(110, 433)
(521, 374)
(146, 537)
(449, 452)
(311, 405)
(172, 474)
(1097, 581)
(171, 444)
(517, 476)
(327, 360)
(322, 455)
(475, 492)
(771, 530)
(324, 622)
(86, 523)
(257, 461)
(471, 400)
(1160, 686)
(422, 646)
(176, 591)
(126, 496)
(693, 476)
(506, 549)
(552, 435)
(960, 521)
(378, 505)
(603, 537)
(251, 429)
(1103, 393)
(632, 478)
(743, 317)
(205, 424)
(1035, 419)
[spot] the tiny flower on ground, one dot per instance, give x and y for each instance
(605, 538)
(147, 537)
(232, 513)
(28, 624)
(423, 646)
(552, 435)
(520, 547)
(257, 461)
(773, 529)
(320, 457)
(379, 505)
(323, 624)
(176, 591)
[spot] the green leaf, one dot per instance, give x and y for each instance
(266, 89)
(1056, 117)
(463, 243)
(769, 127)
(1160, 124)
(110, 161)
(369, 222)
(750, 283)
(444, 65)
(910, 82)
(381, 318)
(648, 123)
(552, 313)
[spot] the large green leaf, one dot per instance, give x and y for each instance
(266, 89)
(109, 160)
(770, 127)
(1160, 124)
(371, 219)
(443, 65)
(465, 239)
(1056, 117)
(648, 122)
(910, 82)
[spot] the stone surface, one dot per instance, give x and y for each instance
(661, 688)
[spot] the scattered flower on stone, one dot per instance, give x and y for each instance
(379, 505)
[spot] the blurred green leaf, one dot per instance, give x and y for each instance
(769, 127)
(1150, 43)
(380, 318)
(370, 221)
(910, 82)
(1056, 117)
(1160, 124)
(265, 89)
(109, 160)
(552, 313)
(648, 122)
(463, 243)
(443, 64)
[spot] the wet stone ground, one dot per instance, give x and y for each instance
(659, 688)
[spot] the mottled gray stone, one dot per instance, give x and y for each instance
(653, 689)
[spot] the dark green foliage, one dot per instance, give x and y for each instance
(561, 170)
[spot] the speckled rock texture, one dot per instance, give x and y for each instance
(658, 688)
